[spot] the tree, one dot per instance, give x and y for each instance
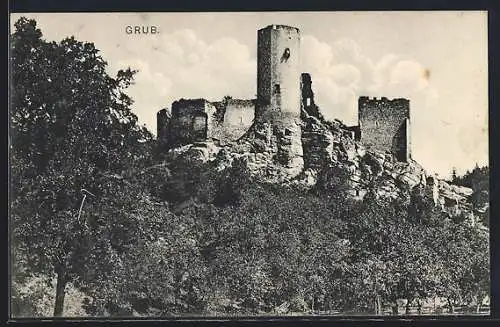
(464, 269)
(157, 267)
(70, 124)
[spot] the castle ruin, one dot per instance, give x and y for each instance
(385, 125)
(284, 95)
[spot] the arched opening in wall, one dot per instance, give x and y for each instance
(286, 55)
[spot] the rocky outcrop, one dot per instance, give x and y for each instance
(195, 153)
(279, 137)
(317, 143)
(454, 199)
(311, 153)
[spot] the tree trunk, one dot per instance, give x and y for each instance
(395, 309)
(378, 305)
(419, 307)
(451, 308)
(407, 307)
(60, 293)
(478, 302)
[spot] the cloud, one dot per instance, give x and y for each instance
(341, 73)
(180, 64)
(410, 75)
(346, 74)
(338, 72)
(315, 55)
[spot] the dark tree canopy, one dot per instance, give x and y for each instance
(70, 128)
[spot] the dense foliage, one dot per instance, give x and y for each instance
(157, 239)
(70, 129)
(478, 179)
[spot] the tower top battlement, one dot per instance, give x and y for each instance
(385, 125)
(275, 27)
(373, 100)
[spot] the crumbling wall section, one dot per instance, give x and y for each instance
(238, 117)
(192, 120)
(384, 125)
(162, 121)
(308, 105)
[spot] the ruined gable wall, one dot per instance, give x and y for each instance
(238, 118)
(307, 95)
(384, 124)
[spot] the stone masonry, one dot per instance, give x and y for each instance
(385, 125)
(284, 99)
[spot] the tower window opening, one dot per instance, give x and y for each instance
(286, 55)
(308, 101)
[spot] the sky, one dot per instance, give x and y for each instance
(438, 60)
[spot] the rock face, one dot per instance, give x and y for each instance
(310, 152)
(317, 143)
(275, 147)
(282, 136)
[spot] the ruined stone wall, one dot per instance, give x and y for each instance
(384, 125)
(278, 70)
(238, 117)
(191, 121)
(162, 121)
(307, 96)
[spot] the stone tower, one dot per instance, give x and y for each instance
(278, 70)
(278, 102)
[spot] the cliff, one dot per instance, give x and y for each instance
(329, 157)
